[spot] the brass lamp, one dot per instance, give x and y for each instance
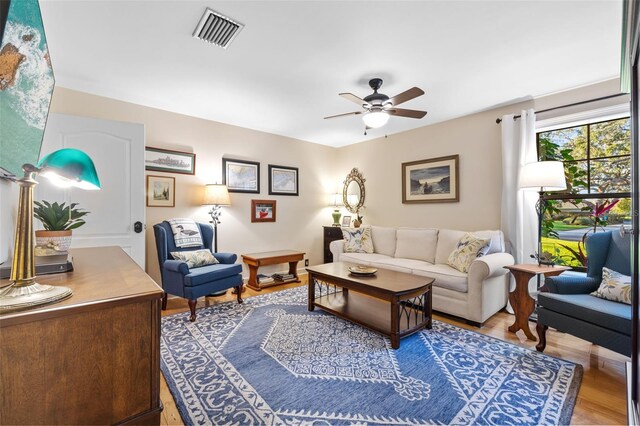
(68, 168)
(216, 195)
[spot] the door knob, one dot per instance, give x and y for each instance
(137, 227)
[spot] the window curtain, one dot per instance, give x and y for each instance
(519, 221)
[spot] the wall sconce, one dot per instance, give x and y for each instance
(66, 168)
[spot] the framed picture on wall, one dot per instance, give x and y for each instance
(166, 160)
(283, 180)
(241, 176)
(161, 191)
(431, 181)
(263, 210)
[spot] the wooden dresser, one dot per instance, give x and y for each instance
(91, 359)
(331, 233)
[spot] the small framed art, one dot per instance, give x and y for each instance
(283, 180)
(263, 210)
(431, 181)
(346, 220)
(241, 176)
(166, 160)
(161, 191)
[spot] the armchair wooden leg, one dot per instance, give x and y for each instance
(164, 300)
(192, 307)
(239, 293)
(542, 337)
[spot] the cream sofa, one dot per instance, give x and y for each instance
(474, 296)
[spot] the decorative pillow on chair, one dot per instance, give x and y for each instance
(467, 250)
(195, 258)
(357, 240)
(614, 286)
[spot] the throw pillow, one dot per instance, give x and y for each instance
(614, 286)
(195, 258)
(357, 240)
(467, 250)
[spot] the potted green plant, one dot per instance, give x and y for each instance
(58, 220)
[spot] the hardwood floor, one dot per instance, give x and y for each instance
(601, 399)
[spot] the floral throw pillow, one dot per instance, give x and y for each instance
(357, 240)
(195, 258)
(467, 250)
(614, 286)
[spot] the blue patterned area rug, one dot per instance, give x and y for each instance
(270, 361)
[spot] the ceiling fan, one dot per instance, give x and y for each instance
(377, 107)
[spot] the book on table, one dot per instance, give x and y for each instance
(264, 279)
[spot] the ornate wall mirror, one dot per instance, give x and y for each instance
(353, 192)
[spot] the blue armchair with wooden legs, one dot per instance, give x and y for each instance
(565, 303)
(179, 280)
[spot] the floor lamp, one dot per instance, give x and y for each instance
(66, 168)
(216, 195)
(545, 176)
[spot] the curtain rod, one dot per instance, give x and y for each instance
(499, 120)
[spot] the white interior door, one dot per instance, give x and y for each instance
(117, 150)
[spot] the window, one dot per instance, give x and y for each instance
(597, 160)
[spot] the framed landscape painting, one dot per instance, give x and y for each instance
(166, 160)
(263, 210)
(241, 176)
(161, 191)
(283, 180)
(431, 181)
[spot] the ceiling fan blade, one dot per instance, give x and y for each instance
(353, 98)
(407, 95)
(410, 113)
(345, 114)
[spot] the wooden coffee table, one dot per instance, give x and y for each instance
(256, 260)
(392, 303)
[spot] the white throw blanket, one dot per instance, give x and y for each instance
(185, 232)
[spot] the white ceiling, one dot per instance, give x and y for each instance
(283, 72)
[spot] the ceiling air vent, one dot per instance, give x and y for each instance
(217, 29)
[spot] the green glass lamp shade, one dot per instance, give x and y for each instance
(70, 167)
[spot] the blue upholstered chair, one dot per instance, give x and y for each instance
(179, 280)
(565, 304)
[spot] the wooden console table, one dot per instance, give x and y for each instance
(521, 301)
(256, 260)
(93, 358)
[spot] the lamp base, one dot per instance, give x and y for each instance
(15, 297)
(336, 217)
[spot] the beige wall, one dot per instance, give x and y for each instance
(299, 219)
(476, 139)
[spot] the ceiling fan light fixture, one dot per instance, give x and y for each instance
(375, 119)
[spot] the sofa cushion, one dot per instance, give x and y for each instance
(206, 274)
(497, 240)
(362, 258)
(419, 244)
(614, 286)
(384, 240)
(398, 264)
(195, 258)
(445, 277)
(357, 240)
(468, 249)
(604, 313)
(448, 238)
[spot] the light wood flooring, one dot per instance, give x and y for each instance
(601, 399)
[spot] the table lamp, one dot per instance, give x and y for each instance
(66, 168)
(215, 195)
(546, 176)
(336, 203)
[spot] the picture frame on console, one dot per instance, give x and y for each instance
(161, 191)
(241, 175)
(263, 210)
(169, 161)
(434, 180)
(346, 220)
(283, 180)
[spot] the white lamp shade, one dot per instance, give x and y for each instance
(548, 175)
(336, 200)
(216, 194)
(375, 119)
